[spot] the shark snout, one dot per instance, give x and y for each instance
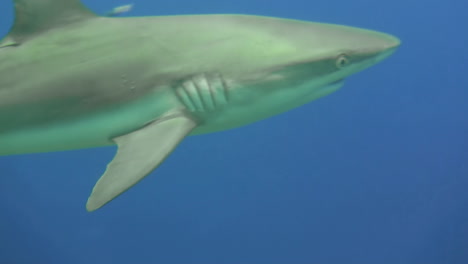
(392, 42)
(315, 41)
(370, 42)
(388, 43)
(389, 46)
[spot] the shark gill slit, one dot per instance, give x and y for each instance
(211, 91)
(194, 95)
(203, 93)
(184, 97)
(224, 89)
(201, 86)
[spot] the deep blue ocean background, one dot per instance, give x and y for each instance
(374, 173)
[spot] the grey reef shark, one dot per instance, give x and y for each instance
(72, 79)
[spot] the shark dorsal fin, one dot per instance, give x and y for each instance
(34, 17)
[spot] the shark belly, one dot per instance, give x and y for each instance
(93, 130)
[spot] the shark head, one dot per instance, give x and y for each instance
(286, 63)
(321, 54)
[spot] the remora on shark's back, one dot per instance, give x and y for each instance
(71, 79)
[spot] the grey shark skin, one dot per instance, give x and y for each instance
(71, 79)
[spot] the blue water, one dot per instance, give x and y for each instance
(374, 173)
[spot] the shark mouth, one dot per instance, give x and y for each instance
(331, 87)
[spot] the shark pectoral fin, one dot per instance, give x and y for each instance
(138, 154)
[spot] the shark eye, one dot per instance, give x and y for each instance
(341, 61)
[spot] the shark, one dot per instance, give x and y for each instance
(73, 79)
